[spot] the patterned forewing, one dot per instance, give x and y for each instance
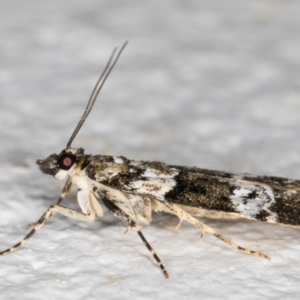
(264, 198)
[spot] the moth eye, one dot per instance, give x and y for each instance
(66, 161)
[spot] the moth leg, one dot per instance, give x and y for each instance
(182, 215)
(179, 224)
(147, 207)
(87, 215)
(125, 233)
(133, 226)
(64, 193)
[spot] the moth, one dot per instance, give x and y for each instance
(131, 190)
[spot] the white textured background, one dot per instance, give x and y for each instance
(208, 83)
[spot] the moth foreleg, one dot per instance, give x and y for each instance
(117, 212)
(184, 216)
(46, 216)
(64, 193)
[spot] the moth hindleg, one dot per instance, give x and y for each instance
(184, 216)
(117, 212)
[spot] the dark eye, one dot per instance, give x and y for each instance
(66, 161)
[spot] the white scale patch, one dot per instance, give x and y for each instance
(156, 184)
(250, 207)
(112, 174)
(154, 173)
(62, 174)
(118, 160)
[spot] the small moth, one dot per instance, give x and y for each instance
(130, 190)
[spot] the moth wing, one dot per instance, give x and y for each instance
(224, 195)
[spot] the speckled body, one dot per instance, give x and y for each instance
(271, 199)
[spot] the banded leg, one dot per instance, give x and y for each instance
(89, 217)
(182, 215)
(132, 225)
(64, 193)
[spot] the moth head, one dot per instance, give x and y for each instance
(62, 164)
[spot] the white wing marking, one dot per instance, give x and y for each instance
(251, 206)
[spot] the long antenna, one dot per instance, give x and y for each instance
(99, 84)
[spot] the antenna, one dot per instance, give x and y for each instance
(99, 84)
